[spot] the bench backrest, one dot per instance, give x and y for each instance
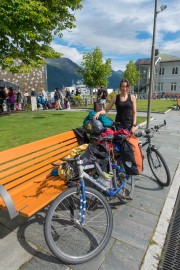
(20, 165)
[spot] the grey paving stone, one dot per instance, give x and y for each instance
(33, 231)
(42, 262)
(146, 202)
(122, 257)
(134, 226)
(147, 184)
(13, 254)
(11, 224)
(96, 262)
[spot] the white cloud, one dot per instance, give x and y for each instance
(113, 25)
(71, 53)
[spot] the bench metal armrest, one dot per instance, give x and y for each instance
(9, 202)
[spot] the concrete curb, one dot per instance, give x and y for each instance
(143, 123)
(153, 253)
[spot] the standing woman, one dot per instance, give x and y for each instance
(125, 107)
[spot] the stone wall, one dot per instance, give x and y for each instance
(26, 81)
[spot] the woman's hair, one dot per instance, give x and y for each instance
(123, 81)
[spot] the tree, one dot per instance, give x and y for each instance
(131, 73)
(28, 27)
(94, 70)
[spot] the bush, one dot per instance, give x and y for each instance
(110, 96)
(78, 100)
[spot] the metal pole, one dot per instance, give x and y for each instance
(151, 84)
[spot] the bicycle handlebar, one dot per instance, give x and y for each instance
(147, 133)
(76, 158)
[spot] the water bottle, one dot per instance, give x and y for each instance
(102, 180)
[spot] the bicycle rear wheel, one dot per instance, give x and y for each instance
(158, 166)
(126, 193)
(71, 242)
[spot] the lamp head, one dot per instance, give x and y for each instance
(163, 7)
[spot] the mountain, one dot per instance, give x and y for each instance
(63, 71)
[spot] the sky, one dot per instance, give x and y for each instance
(122, 30)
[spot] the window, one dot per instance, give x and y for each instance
(161, 71)
(175, 70)
(160, 87)
(173, 86)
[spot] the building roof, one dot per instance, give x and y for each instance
(145, 61)
(167, 57)
(163, 58)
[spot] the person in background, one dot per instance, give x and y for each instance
(57, 99)
(2, 99)
(41, 101)
(45, 96)
(78, 91)
(18, 100)
(67, 99)
(11, 99)
(33, 93)
(25, 97)
(125, 107)
(102, 96)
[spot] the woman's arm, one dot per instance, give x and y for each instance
(104, 111)
(133, 98)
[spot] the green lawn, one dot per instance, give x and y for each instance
(20, 128)
(156, 105)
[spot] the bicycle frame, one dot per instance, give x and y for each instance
(84, 176)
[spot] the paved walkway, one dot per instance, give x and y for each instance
(139, 226)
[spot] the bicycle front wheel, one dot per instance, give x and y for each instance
(158, 167)
(71, 242)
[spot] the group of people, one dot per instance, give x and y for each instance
(125, 102)
(62, 98)
(9, 99)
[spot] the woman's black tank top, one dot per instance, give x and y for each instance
(124, 112)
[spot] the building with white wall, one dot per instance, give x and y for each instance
(167, 74)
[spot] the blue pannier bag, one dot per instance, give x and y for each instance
(105, 120)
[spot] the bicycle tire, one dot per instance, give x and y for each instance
(158, 167)
(78, 243)
(126, 193)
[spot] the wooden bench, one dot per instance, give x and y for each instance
(26, 184)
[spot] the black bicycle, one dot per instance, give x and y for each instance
(156, 161)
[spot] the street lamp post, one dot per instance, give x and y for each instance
(152, 66)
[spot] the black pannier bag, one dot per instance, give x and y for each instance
(97, 155)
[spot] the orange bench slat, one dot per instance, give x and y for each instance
(25, 172)
(31, 156)
(25, 149)
(20, 176)
(36, 163)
